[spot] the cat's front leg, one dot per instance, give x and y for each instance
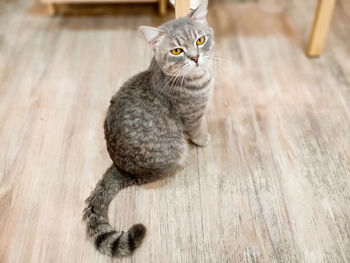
(202, 139)
(199, 135)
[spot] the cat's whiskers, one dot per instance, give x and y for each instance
(215, 60)
(184, 79)
(172, 78)
(175, 81)
(178, 78)
(183, 75)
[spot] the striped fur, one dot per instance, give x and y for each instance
(107, 240)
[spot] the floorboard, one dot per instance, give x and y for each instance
(272, 186)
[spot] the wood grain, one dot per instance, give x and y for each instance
(272, 186)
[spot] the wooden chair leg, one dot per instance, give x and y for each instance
(52, 7)
(162, 7)
(320, 28)
(182, 7)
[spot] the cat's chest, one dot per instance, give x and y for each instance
(192, 105)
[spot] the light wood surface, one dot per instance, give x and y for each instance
(272, 186)
(182, 8)
(322, 20)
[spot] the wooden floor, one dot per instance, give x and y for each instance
(273, 185)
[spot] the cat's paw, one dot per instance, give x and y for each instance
(202, 140)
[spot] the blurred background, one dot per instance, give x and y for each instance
(272, 186)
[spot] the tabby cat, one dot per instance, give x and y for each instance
(151, 120)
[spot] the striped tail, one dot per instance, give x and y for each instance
(107, 240)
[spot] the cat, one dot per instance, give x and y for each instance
(151, 120)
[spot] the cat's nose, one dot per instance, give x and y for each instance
(195, 59)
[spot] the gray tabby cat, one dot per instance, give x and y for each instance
(151, 119)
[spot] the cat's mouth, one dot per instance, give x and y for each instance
(197, 68)
(190, 69)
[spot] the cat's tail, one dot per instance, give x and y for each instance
(107, 240)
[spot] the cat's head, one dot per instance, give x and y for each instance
(184, 45)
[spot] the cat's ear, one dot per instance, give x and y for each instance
(152, 34)
(200, 13)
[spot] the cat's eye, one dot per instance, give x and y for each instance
(200, 41)
(176, 51)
